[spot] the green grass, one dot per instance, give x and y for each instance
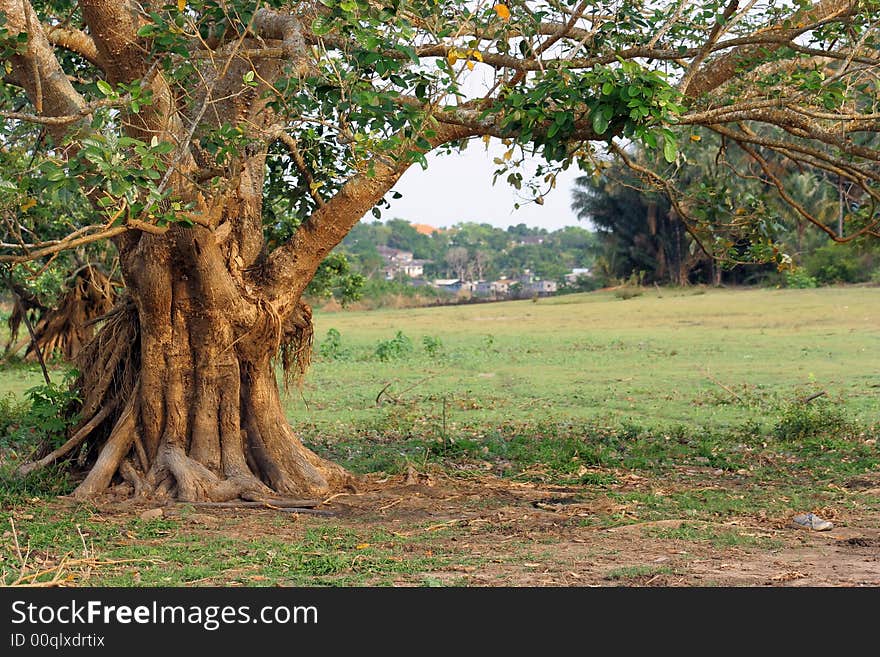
(164, 552)
(718, 537)
(637, 572)
(649, 360)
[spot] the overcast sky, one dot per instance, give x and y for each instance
(458, 187)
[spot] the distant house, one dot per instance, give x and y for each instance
(531, 240)
(413, 269)
(572, 277)
(448, 284)
(500, 288)
(542, 288)
(394, 256)
(482, 289)
(400, 263)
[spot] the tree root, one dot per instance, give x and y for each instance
(27, 468)
(195, 483)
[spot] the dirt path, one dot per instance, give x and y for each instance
(538, 536)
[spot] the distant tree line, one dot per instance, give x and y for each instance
(640, 234)
(474, 251)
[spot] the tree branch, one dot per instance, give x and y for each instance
(716, 72)
(292, 265)
(76, 41)
(38, 71)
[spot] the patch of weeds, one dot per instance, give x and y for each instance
(433, 346)
(397, 348)
(365, 452)
(328, 553)
(719, 538)
(717, 454)
(821, 417)
(597, 478)
(50, 481)
(330, 348)
(155, 528)
(637, 572)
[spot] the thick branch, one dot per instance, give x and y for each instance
(38, 70)
(715, 73)
(76, 41)
(292, 265)
(113, 25)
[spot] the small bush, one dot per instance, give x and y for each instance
(433, 346)
(396, 348)
(799, 421)
(331, 347)
(47, 416)
(799, 279)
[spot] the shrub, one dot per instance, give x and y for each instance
(799, 421)
(433, 346)
(331, 347)
(799, 279)
(49, 415)
(396, 348)
(836, 263)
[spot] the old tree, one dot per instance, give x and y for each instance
(224, 147)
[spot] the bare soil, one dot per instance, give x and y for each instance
(524, 534)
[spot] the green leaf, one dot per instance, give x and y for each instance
(600, 122)
(105, 88)
(670, 150)
(322, 25)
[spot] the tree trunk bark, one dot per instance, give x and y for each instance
(199, 414)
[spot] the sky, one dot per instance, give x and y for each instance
(458, 187)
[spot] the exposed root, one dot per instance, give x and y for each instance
(111, 455)
(189, 412)
(66, 329)
(295, 349)
(138, 485)
(195, 483)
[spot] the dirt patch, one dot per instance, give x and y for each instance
(486, 531)
(527, 534)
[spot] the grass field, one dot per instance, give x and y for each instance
(551, 427)
(693, 357)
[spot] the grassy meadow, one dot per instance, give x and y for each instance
(698, 358)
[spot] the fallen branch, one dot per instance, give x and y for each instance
(809, 398)
(26, 468)
(721, 385)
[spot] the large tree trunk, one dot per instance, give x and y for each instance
(189, 371)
